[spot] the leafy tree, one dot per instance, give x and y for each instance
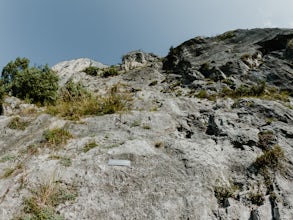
(37, 84)
(13, 67)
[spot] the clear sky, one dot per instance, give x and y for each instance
(51, 31)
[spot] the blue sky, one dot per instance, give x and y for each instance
(51, 31)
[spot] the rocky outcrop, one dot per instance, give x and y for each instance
(136, 59)
(71, 69)
(241, 55)
(190, 154)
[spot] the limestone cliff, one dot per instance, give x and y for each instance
(208, 136)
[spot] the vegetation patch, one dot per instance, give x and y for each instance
(91, 70)
(64, 161)
(222, 193)
(37, 85)
(76, 102)
(41, 205)
(57, 137)
(7, 157)
(272, 158)
(89, 146)
(109, 72)
(11, 171)
(257, 198)
(17, 123)
(226, 35)
(265, 139)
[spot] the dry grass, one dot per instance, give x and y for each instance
(86, 104)
(57, 137)
(44, 200)
(17, 123)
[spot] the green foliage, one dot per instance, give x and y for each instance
(224, 192)
(7, 157)
(41, 205)
(17, 123)
(111, 71)
(270, 159)
(73, 91)
(13, 68)
(226, 35)
(245, 91)
(115, 101)
(91, 70)
(36, 84)
(57, 136)
(257, 198)
(64, 161)
(202, 94)
(75, 102)
(89, 146)
(39, 85)
(10, 171)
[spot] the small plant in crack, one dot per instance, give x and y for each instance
(44, 199)
(57, 137)
(89, 146)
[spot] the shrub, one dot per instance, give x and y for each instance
(111, 71)
(17, 123)
(91, 70)
(36, 84)
(57, 136)
(42, 204)
(271, 158)
(74, 107)
(14, 67)
(257, 198)
(89, 146)
(39, 85)
(222, 193)
(73, 92)
(265, 139)
(226, 35)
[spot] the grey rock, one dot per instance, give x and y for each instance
(235, 53)
(180, 147)
(136, 59)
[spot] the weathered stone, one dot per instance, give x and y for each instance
(180, 147)
(136, 59)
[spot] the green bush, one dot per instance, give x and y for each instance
(111, 71)
(271, 158)
(73, 92)
(91, 70)
(38, 85)
(17, 123)
(57, 136)
(84, 103)
(14, 67)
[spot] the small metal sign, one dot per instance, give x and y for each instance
(119, 163)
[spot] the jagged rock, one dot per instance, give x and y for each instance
(73, 69)
(236, 53)
(180, 147)
(136, 59)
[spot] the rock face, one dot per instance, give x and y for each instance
(193, 154)
(243, 55)
(71, 69)
(136, 59)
